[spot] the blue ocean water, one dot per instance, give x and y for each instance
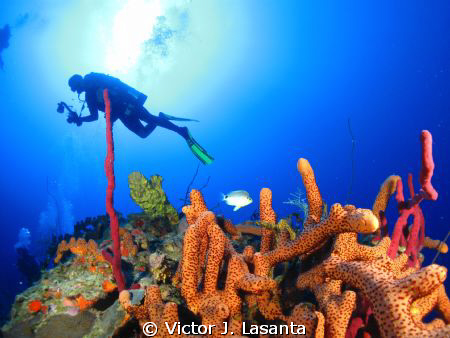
(270, 82)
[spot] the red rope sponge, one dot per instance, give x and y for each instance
(115, 258)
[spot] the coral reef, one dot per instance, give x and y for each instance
(219, 284)
(206, 249)
(323, 281)
(82, 287)
(69, 292)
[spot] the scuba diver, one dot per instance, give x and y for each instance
(127, 105)
(26, 262)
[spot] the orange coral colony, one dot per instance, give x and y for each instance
(108, 286)
(34, 306)
(83, 303)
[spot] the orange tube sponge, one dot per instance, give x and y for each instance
(196, 207)
(153, 310)
(213, 305)
(192, 212)
(435, 244)
(422, 306)
(312, 320)
(336, 305)
(341, 219)
(315, 203)
(249, 228)
(347, 248)
(386, 190)
(443, 304)
(390, 297)
(266, 215)
(230, 228)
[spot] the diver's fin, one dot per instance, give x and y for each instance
(198, 151)
(173, 118)
(236, 208)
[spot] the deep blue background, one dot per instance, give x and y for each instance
(286, 92)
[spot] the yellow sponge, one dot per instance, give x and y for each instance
(150, 196)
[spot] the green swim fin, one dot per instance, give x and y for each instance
(198, 151)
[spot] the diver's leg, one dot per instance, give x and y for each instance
(196, 149)
(136, 126)
(145, 116)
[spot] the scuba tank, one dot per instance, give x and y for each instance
(123, 87)
(116, 86)
(140, 97)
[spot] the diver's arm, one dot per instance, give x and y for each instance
(93, 109)
(93, 116)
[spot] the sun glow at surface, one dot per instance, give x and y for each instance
(132, 26)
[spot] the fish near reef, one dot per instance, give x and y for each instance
(237, 198)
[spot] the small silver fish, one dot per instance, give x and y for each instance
(237, 198)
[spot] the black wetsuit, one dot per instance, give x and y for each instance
(125, 106)
(28, 265)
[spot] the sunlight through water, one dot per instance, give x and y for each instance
(132, 26)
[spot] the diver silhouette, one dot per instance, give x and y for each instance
(126, 106)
